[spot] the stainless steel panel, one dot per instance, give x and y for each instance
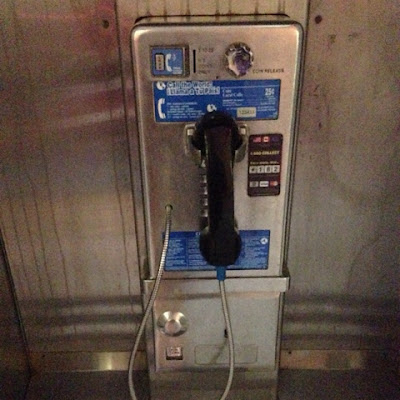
(45, 362)
(254, 305)
(343, 247)
(169, 176)
(255, 309)
(14, 365)
(66, 197)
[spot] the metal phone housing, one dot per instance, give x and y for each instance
(267, 49)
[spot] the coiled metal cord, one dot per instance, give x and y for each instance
(153, 296)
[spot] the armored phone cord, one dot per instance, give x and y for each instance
(230, 339)
(150, 304)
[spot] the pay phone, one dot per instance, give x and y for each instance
(216, 108)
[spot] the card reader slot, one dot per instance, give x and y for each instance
(194, 61)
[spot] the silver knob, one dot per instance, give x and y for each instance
(239, 59)
(172, 323)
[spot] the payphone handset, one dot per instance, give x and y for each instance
(217, 137)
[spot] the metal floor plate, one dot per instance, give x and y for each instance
(294, 385)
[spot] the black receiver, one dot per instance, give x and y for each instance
(217, 137)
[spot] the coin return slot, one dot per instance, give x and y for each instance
(174, 353)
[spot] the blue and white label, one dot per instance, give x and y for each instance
(184, 252)
(187, 101)
(167, 61)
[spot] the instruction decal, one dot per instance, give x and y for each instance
(187, 101)
(168, 61)
(184, 252)
(264, 165)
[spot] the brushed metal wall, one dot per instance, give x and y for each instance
(66, 197)
(66, 193)
(344, 253)
(14, 365)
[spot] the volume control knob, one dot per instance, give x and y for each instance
(239, 59)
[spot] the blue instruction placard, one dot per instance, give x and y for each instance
(187, 101)
(184, 253)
